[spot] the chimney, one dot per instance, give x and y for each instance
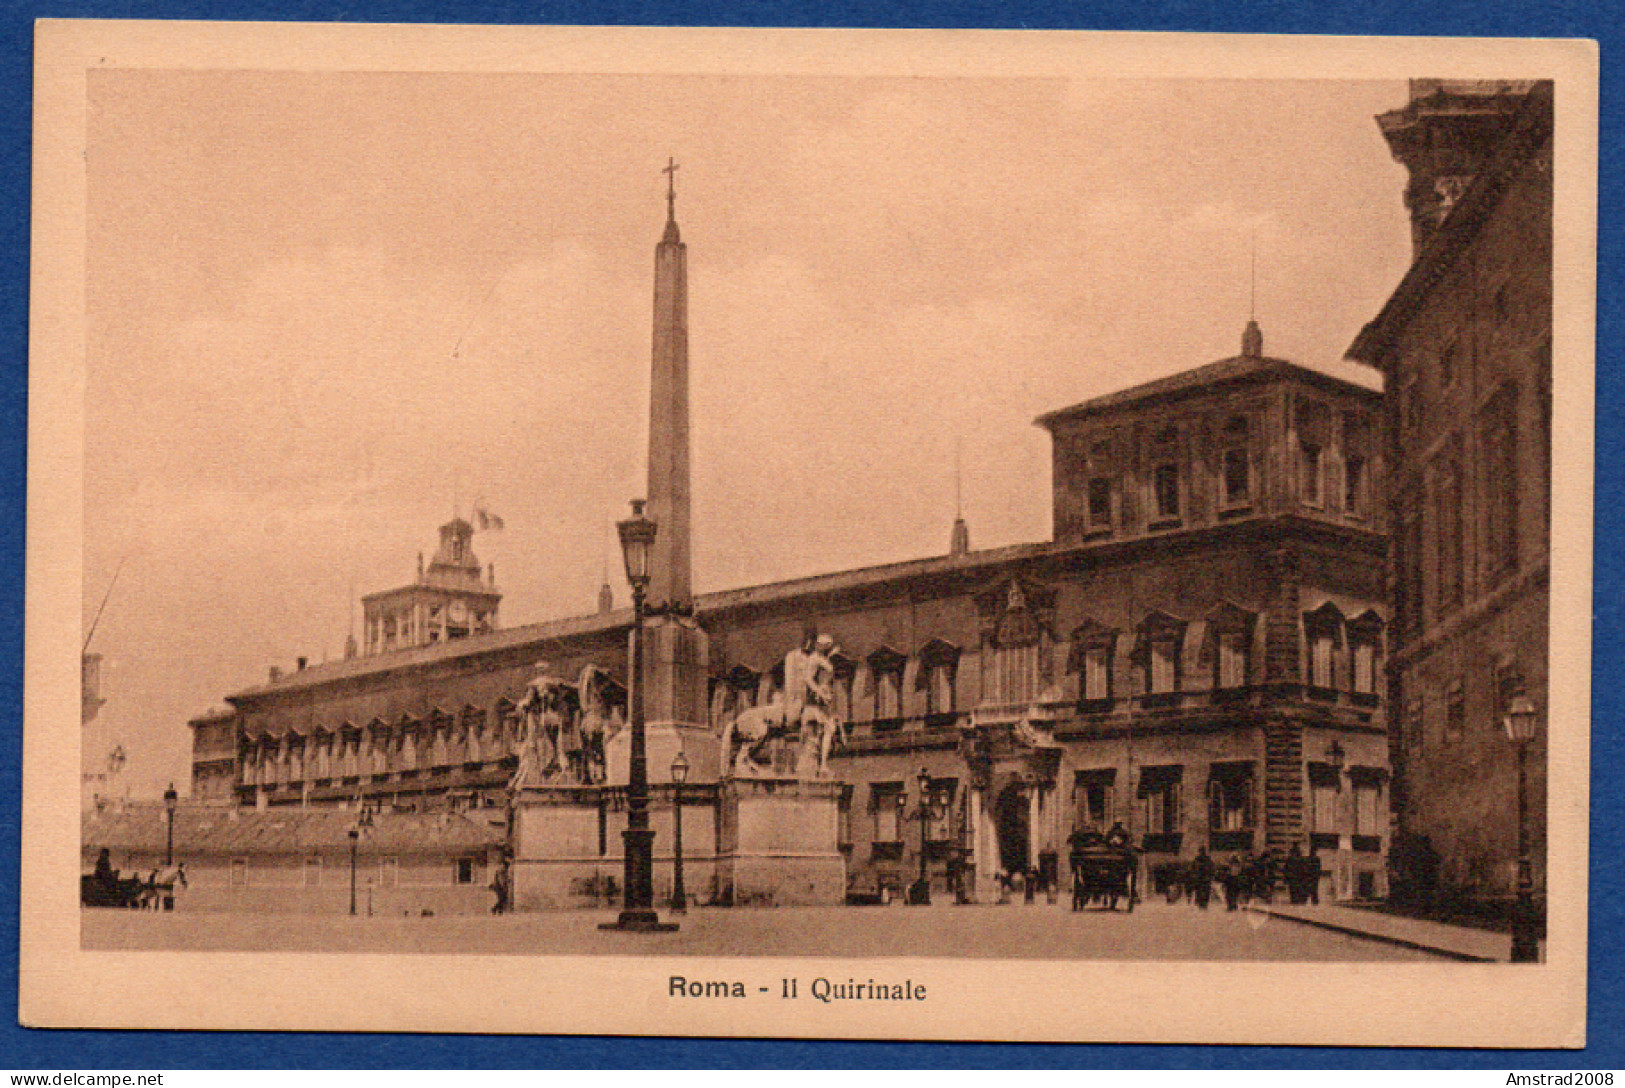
(302, 664)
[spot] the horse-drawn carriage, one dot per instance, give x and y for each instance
(1104, 874)
(96, 890)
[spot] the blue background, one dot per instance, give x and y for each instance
(88, 1050)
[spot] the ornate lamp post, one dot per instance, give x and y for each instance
(679, 775)
(922, 889)
(363, 820)
(637, 906)
(355, 838)
(1520, 726)
(172, 801)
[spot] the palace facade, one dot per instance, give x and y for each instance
(1197, 654)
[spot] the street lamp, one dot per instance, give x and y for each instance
(364, 819)
(679, 775)
(637, 905)
(922, 889)
(355, 838)
(172, 801)
(1520, 726)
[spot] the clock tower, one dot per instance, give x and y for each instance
(452, 599)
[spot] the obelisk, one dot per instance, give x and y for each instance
(675, 648)
(671, 573)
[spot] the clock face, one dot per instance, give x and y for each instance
(459, 611)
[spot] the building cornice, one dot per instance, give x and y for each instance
(1531, 131)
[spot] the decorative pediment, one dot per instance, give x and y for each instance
(1013, 611)
(845, 667)
(1091, 637)
(939, 651)
(1160, 624)
(1227, 617)
(886, 659)
(1092, 632)
(1367, 626)
(1327, 620)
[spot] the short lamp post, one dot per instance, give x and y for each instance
(637, 905)
(172, 801)
(922, 890)
(1520, 726)
(679, 775)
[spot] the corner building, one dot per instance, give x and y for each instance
(1465, 343)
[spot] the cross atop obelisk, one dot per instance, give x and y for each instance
(670, 170)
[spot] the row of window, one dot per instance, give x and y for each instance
(1343, 654)
(1230, 797)
(1450, 720)
(1431, 543)
(1166, 484)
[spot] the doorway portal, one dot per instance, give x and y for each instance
(1011, 816)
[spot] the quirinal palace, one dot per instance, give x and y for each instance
(1202, 655)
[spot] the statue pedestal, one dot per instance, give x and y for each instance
(777, 842)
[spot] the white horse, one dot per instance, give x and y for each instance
(746, 736)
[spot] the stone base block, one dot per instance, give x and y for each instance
(778, 843)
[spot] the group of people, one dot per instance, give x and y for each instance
(1247, 876)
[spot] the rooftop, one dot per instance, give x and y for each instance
(1236, 369)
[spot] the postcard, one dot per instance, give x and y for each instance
(829, 534)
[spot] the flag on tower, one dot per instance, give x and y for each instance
(484, 519)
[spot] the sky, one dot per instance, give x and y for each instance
(328, 310)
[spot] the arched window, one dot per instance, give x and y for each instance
(1235, 468)
(886, 665)
(743, 685)
(1166, 503)
(846, 671)
(1365, 652)
(1159, 651)
(1093, 656)
(349, 746)
(1313, 426)
(1323, 632)
(939, 669)
(1230, 640)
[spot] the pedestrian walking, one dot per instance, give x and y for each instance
(1202, 878)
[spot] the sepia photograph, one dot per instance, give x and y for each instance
(796, 537)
